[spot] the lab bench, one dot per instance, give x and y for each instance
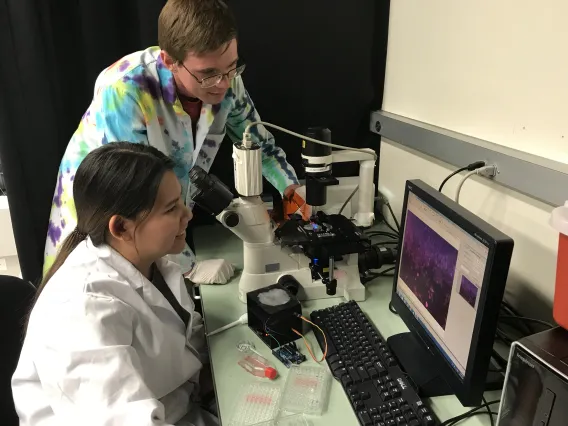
(221, 306)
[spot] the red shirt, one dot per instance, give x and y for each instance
(193, 108)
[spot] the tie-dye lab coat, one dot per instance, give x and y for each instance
(135, 100)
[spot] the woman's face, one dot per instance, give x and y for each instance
(162, 232)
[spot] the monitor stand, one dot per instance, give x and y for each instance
(420, 366)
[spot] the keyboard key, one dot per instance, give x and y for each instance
(359, 405)
(377, 420)
(346, 380)
(385, 396)
(391, 362)
(383, 408)
(336, 365)
(331, 359)
(405, 408)
(381, 369)
(395, 392)
(373, 411)
(362, 373)
(428, 421)
(353, 373)
(422, 412)
(373, 373)
(387, 416)
(418, 405)
(400, 402)
(400, 421)
(396, 412)
(390, 423)
(392, 406)
(365, 418)
(355, 396)
(414, 423)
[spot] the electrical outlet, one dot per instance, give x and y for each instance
(490, 172)
(3, 265)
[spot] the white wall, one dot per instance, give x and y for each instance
(496, 70)
(9, 264)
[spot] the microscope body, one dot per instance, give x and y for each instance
(265, 259)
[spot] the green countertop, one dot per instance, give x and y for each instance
(222, 306)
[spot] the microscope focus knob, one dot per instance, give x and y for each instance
(231, 219)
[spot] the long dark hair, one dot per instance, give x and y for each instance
(119, 178)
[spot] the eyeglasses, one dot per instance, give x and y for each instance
(214, 80)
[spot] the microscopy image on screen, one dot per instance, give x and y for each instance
(427, 267)
(468, 291)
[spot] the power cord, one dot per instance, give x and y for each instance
(469, 167)
(247, 139)
(512, 326)
(393, 215)
(487, 170)
(370, 276)
(526, 319)
(488, 411)
(382, 200)
(471, 413)
(348, 199)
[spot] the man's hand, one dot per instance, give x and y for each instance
(294, 203)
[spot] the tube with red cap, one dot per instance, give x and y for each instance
(258, 366)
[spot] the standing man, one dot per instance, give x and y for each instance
(182, 98)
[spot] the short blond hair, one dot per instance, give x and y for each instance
(196, 26)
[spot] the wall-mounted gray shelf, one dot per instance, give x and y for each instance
(538, 177)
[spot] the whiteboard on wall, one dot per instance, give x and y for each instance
(493, 69)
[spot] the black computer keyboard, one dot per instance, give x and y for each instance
(359, 358)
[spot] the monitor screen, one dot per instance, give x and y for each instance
(440, 277)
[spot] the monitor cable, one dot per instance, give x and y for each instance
(381, 200)
(488, 171)
(469, 167)
(473, 412)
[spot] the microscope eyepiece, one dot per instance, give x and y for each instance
(208, 192)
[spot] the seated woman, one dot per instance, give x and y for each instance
(113, 338)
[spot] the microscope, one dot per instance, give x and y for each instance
(320, 254)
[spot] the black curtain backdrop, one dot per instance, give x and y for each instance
(317, 62)
(51, 53)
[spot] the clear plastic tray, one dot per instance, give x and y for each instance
(257, 402)
(306, 390)
(289, 420)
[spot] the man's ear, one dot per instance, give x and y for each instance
(168, 61)
(121, 229)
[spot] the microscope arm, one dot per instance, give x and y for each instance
(366, 206)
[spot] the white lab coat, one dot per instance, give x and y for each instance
(104, 347)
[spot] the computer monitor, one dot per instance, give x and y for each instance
(449, 283)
